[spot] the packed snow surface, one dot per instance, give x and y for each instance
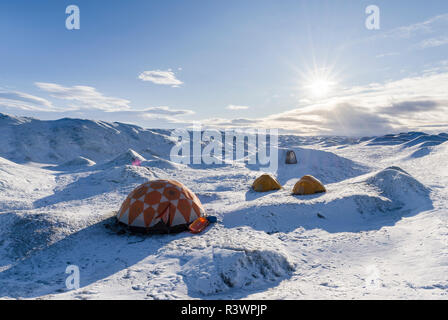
(380, 231)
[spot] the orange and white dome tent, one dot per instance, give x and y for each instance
(160, 206)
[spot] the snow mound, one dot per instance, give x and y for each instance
(97, 183)
(426, 141)
(220, 270)
(396, 183)
(410, 139)
(161, 163)
(425, 145)
(6, 119)
(79, 162)
(419, 153)
(397, 192)
(27, 233)
(293, 141)
(122, 176)
(230, 261)
(126, 158)
(20, 185)
(327, 166)
(395, 139)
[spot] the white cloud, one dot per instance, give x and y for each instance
(389, 54)
(84, 97)
(24, 101)
(163, 119)
(434, 29)
(161, 77)
(433, 42)
(146, 119)
(234, 107)
(230, 123)
(164, 110)
(424, 27)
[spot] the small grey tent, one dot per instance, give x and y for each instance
(291, 157)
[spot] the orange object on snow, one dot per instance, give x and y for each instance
(198, 225)
(266, 183)
(308, 185)
(160, 206)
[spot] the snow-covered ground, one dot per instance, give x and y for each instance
(381, 230)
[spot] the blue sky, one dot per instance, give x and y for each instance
(311, 67)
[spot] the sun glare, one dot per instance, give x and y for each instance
(320, 87)
(319, 83)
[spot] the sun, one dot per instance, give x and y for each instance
(320, 86)
(319, 83)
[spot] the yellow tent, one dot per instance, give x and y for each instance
(266, 183)
(308, 185)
